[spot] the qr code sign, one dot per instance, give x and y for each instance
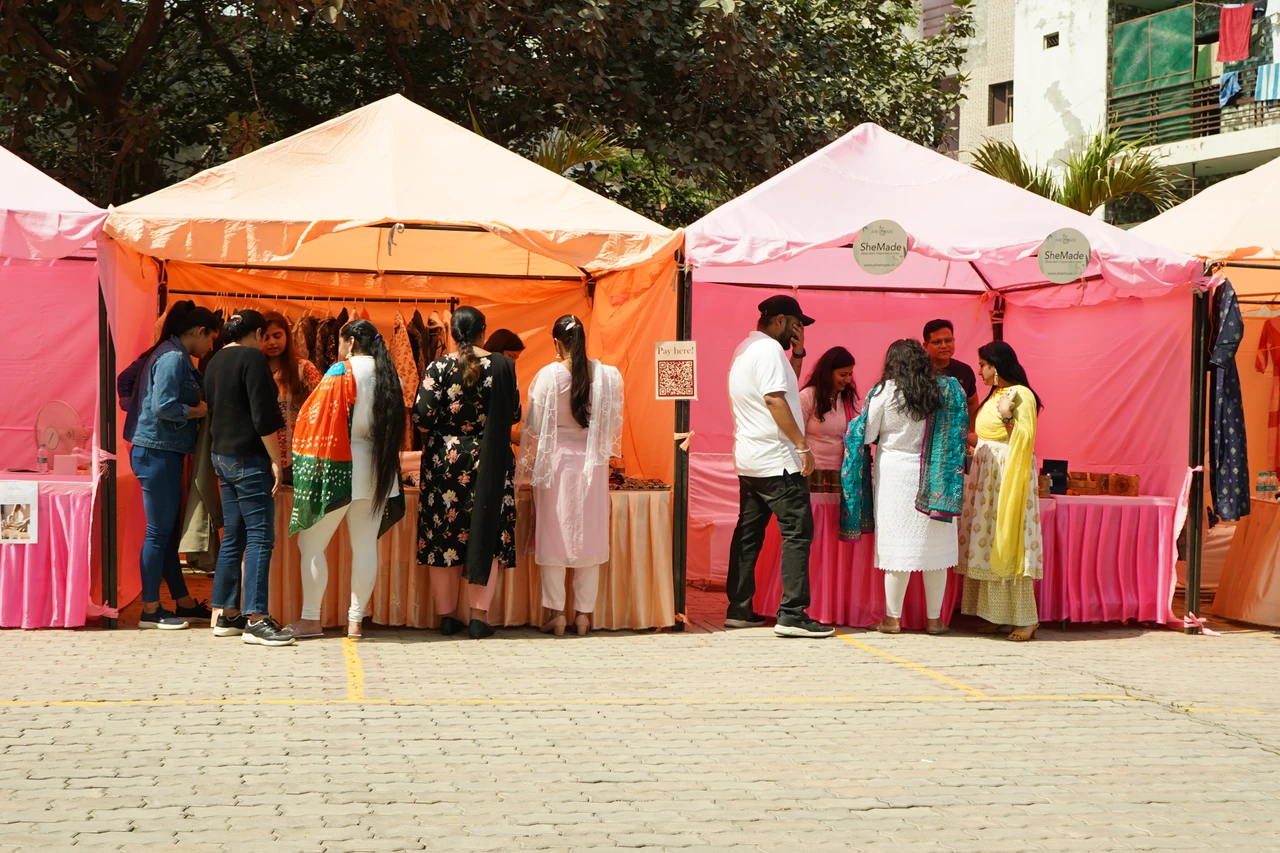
(675, 378)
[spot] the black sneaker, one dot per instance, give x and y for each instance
(790, 626)
(266, 632)
(230, 627)
(163, 620)
(752, 621)
(199, 611)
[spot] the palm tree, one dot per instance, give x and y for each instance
(562, 149)
(1104, 170)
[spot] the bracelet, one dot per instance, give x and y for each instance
(806, 450)
(795, 354)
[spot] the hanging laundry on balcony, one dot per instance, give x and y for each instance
(1268, 88)
(1235, 31)
(1229, 88)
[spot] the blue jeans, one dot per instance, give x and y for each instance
(159, 473)
(249, 532)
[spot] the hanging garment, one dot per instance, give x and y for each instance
(402, 357)
(1235, 31)
(1228, 450)
(1268, 88)
(304, 338)
(203, 518)
(1229, 88)
(1269, 351)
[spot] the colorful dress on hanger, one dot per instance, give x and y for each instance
(1269, 351)
(291, 404)
(453, 418)
(1228, 450)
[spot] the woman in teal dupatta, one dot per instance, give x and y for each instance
(918, 421)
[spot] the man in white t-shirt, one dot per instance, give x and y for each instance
(773, 463)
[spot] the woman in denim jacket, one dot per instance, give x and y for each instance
(168, 399)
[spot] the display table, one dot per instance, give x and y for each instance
(1106, 559)
(635, 585)
(1249, 590)
(46, 584)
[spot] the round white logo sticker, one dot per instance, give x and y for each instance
(880, 247)
(1064, 256)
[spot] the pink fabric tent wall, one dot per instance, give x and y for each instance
(48, 351)
(1110, 354)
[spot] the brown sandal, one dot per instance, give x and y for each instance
(1024, 635)
(992, 628)
(554, 625)
(884, 629)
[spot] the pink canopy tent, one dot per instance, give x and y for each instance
(49, 350)
(1121, 353)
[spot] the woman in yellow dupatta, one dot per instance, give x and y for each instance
(1001, 548)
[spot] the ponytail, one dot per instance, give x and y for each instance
(388, 407)
(569, 332)
(467, 327)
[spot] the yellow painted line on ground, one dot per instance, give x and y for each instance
(914, 667)
(480, 701)
(355, 671)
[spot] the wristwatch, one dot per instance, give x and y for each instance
(795, 354)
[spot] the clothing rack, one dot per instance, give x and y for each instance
(347, 299)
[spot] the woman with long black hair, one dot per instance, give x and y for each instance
(828, 401)
(465, 408)
(918, 421)
(573, 428)
(1001, 545)
(347, 465)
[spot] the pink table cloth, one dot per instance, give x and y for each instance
(845, 587)
(46, 585)
(1107, 559)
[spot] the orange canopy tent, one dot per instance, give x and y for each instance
(392, 202)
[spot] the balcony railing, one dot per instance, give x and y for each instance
(1188, 111)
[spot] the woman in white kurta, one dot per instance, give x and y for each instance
(907, 540)
(573, 427)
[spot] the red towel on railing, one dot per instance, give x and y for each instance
(1235, 29)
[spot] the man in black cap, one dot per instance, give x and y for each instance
(773, 463)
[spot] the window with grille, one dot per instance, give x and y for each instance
(1051, 40)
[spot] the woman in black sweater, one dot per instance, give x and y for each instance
(244, 421)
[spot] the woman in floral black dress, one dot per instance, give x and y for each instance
(467, 520)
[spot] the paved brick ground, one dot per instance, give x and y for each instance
(1097, 740)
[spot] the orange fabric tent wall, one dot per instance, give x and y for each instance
(630, 312)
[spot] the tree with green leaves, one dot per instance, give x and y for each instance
(706, 98)
(1103, 170)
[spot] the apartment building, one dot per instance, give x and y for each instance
(1148, 70)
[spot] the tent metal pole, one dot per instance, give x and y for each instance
(1196, 442)
(107, 441)
(680, 510)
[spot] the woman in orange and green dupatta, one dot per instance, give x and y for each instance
(346, 464)
(1001, 547)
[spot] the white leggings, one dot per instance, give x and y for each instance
(362, 525)
(586, 586)
(895, 591)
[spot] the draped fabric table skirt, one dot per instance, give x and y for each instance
(46, 585)
(1250, 586)
(845, 587)
(1106, 559)
(635, 585)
